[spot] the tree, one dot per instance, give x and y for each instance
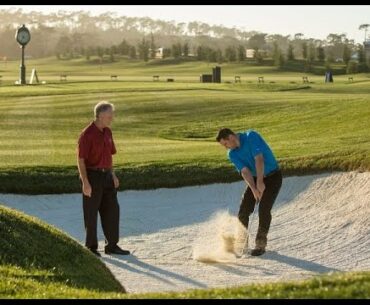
(241, 53)
(304, 50)
(143, 47)
(166, 52)
(176, 50)
(281, 61)
(219, 57)
(132, 52)
(362, 66)
(275, 53)
(100, 52)
(346, 54)
(152, 46)
(88, 53)
(320, 51)
(258, 56)
(329, 57)
(230, 54)
(111, 54)
(200, 53)
(124, 47)
(298, 36)
(361, 53)
(63, 45)
(211, 55)
(311, 52)
(185, 49)
(257, 41)
(352, 67)
(82, 50)
(365, 28)
(290, 55)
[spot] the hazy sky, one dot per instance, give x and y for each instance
(315, 21)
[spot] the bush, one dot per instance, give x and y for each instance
(352, 67)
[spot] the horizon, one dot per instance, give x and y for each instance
(243, 17)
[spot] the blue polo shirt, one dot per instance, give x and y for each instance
(251, 145)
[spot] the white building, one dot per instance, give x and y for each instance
(159, 53)
(249, 53)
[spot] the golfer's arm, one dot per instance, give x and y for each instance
(260, 167)
(82, 169)
(248, 178)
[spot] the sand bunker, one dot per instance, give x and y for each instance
(215, 242)
(320, 224)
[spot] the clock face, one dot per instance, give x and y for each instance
(23, 37)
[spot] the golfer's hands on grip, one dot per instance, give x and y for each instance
(256, 193)
(261, 186)
(86, 188)
(258, 190)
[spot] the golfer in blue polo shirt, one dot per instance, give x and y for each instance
(254, 160)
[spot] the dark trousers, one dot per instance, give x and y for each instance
(273, 185)
(103, 200)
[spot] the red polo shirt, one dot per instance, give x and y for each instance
(96, 146)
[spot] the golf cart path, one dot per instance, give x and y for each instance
(320, 224)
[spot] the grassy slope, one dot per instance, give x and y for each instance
(164, 131)
(37, 260)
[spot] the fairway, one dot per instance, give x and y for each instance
(163, 128)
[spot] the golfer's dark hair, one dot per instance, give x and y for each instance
(223, 134)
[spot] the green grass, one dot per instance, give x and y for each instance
(38, 260)
(164, 132)
(352, 285)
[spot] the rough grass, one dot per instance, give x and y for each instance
(38, 260)
(351, 285)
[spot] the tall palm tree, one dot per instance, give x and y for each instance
(364, 26)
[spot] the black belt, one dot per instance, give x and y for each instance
(101, 170)
(272, 173)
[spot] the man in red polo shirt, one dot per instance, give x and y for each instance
(99, 182)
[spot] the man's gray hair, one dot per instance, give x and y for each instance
(101, 107)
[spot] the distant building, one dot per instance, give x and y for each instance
(159, 53)
(249, 53)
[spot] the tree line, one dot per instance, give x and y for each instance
(71, 34)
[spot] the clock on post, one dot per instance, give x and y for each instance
(23, 37)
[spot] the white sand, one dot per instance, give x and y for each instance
(320, 224)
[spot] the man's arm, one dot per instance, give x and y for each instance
(86, 187)
(248, 178)
(260, 169)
